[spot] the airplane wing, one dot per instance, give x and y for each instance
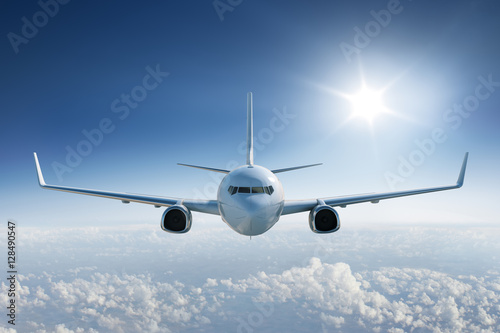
(203, 206)
(296, 206)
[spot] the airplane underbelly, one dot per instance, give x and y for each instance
(250, 222)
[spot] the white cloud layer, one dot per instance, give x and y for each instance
(138, 279)
(328, 294)
(407, 298)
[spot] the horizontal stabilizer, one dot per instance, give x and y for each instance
(204, 168)
(295, 168)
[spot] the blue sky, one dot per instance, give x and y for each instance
(92, 65)
(65, 78)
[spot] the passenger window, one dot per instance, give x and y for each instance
(257, 190)
(243, 189)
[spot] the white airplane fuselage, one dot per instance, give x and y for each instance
(251, 199)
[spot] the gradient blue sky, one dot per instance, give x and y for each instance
(65, 79)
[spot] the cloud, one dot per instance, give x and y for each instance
(211, 283)
(404, 299)
(127, 303)
(138, 278)
(401, 299)
(7, 330)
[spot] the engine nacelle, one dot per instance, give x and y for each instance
(324, 219)
(176, 219)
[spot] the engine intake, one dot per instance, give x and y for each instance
(176, 219)
(324, 219)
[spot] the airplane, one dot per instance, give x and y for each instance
(250, 198)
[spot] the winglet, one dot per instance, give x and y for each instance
(41, 181)
(461, 176)
(249, 129)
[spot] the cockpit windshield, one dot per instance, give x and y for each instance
(243, 189)
(255, 189)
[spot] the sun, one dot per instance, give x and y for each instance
(367, 103)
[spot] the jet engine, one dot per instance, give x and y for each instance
(176, 219)
(324, 219)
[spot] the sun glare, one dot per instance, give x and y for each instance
(367, 104)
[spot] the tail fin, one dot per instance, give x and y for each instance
(249, 129)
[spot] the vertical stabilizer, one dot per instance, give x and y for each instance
(249, 129)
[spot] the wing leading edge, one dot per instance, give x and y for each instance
(204, 206)
(296, 206)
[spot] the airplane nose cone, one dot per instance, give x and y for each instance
(253, 216)
(255, 225)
